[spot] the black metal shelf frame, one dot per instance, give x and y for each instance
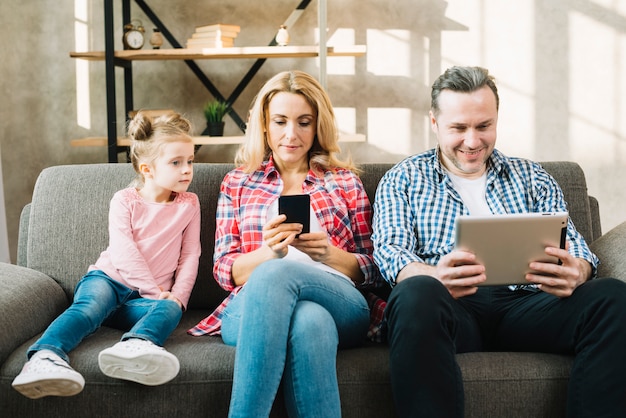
(111, 63)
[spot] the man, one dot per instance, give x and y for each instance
(436, 310)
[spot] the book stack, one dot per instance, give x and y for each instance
(213, 36)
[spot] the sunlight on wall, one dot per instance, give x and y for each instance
(389, 52)
(507, 54)
(428, 138)
(390, 129)
(346, 119)
(81, 43)
(389, 55)
(339, 65)
(616, 5)
(516, 123)
(597, 105)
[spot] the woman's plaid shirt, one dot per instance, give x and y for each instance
(338, 199)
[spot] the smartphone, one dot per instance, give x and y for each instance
(297, 207)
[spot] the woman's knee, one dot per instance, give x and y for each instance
(313, 326)
(274, 278)
(269, 271)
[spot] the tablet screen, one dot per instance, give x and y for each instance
(506, 244)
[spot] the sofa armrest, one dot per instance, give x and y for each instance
(29, 302)
(596, 226)
(610, 249)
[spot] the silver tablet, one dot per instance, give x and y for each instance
(506, 244)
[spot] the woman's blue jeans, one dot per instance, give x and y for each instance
(100, 300)
(287, 323)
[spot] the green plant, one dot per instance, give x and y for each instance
(215, 110)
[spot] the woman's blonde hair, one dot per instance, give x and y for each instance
(148, 135)
(324, 154)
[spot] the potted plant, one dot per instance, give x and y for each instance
(214, 112)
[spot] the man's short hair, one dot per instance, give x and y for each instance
(464, 80)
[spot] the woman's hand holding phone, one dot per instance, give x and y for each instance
(278, 234)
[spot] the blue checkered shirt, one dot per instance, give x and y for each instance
(416, 207)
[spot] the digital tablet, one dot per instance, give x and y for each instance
(506, 244)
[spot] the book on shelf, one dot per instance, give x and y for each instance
(218, 26)
(211, 39)
(213, 34)
(215, 43)
(218, 35)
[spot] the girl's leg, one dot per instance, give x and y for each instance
(47, 372)
(95, 297)
(140, 357)
(267, 304)
(147, 319)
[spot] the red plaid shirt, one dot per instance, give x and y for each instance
(342, 208)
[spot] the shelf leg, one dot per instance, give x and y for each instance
(323, 26)
(109, 56)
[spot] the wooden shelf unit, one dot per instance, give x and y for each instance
(102, 141)
(124, 58)
(225, 53)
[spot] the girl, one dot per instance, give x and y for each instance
(142, 282)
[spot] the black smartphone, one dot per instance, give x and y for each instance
(297, 208)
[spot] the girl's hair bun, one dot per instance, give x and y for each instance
(143, 127)
(140, 127)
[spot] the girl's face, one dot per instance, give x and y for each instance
(291, 129)
(171, 172)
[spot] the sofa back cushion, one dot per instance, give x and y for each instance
(67, 221)
(67, 228)
(571, 178)
(67, 225)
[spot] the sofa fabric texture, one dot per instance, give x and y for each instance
(64, 229)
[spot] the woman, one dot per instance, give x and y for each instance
(294, 296)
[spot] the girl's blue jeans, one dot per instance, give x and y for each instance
(100, 300)
(287, 323)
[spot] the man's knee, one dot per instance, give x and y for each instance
(411, 293)
(418, 299)
(608, 292)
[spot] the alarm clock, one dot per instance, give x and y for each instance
(133, 37)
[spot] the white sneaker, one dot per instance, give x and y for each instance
(47, 374)
(139, 361)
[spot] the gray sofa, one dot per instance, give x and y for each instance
(64, 229)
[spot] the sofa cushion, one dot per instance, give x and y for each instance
(58, 218)
(571, 178)
(496, 384)
(68, 221)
